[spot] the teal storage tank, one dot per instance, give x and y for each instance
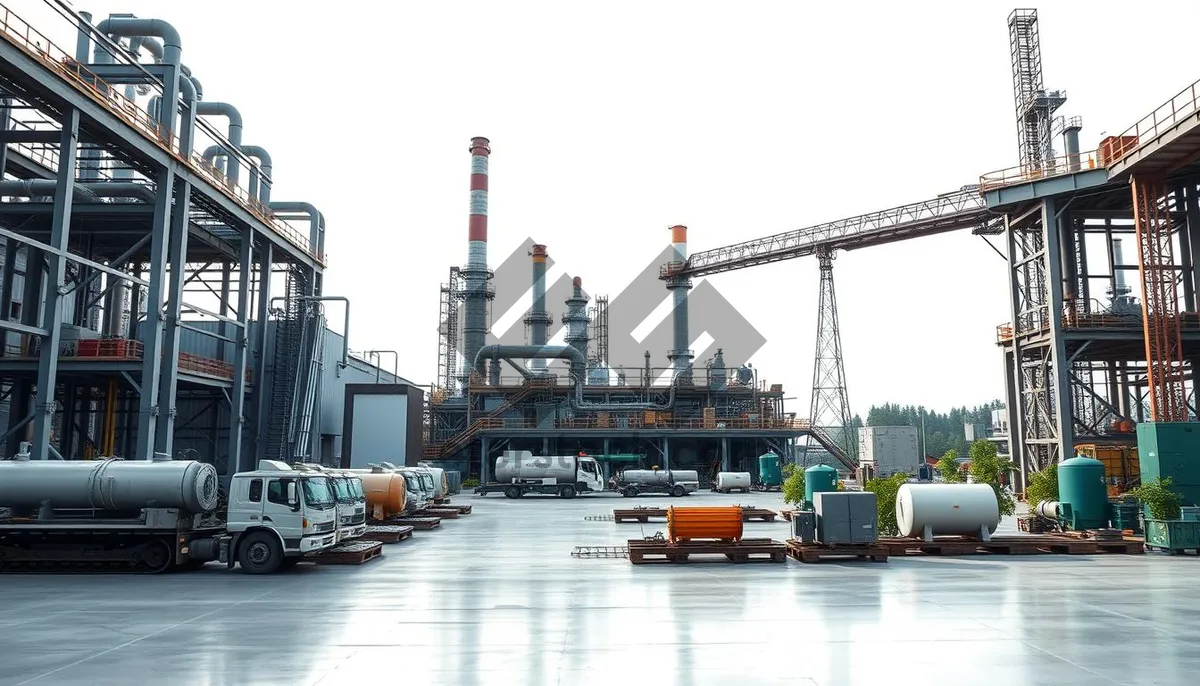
(819, 479)
(770, 474)
(1081, 485)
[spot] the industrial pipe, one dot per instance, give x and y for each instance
(234, 134)
(538, 320)
(263, 195)
(172, 50)
(395, 367)
(476, 272)
(578, 373)
(82, 192)
(315, 218)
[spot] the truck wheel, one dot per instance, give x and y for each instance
(567, 492)
(260, 553)
(678, 491)
(512, 492)
(631, 492)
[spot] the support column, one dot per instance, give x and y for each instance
(1191, 278)
(483, 460)
(725, 454)
(1058, 366)
(261, 392)
(241, 336)
(177, 255)
(56, 263)
(223, 310)
(151, 330)
(666, 453)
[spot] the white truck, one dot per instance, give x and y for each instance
(351, 499)
(518, 472)
(153, 516)
(674, 482)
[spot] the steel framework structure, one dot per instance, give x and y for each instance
(108, 216)
(1035, 107)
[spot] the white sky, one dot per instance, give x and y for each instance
(610, 124)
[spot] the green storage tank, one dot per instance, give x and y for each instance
(770, 474)
(1081, 485)
(819, 479)
(1169, 449)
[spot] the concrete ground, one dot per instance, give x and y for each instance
(496, 598)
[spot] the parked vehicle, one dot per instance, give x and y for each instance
(351, 500)
(155, 516)
(518, 472)
(674, 482)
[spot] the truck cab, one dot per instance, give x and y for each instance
(351, 505)
(277, 516)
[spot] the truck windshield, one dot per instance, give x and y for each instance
(411, 483)
(356, 489)
(427, 482)
(317, 492)
(343, 490)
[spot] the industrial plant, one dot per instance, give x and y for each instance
(176, 403)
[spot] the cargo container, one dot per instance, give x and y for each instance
(888, 450)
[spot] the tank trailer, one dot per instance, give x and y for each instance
(154, 516)
(674, 482)
(518, 472)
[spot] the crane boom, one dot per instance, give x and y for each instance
(962, 209)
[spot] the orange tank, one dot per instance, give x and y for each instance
(690, 523)
(386, 495)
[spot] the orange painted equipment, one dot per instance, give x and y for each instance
(386, 495)
(678, 234)
(691, 523)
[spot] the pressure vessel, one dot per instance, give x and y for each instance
(651, 477)
(729, 481)
(949, 509)
(386, 493)
(680, 476)
(521, 464)
(819, 478)
(1081, 485)
(111, 484)
(769, 471)
(691, 523)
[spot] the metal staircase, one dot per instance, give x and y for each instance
(310, 381)
(289, 345)
(464, 438)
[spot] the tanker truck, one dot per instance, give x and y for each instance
(518, 472)
(351, 500)
(418, 491)
(676, 482)
(387, 492)
(154, 516)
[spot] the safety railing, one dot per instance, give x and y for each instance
(639, 421)
(1183, 105)
(1004, 332)
(1057, 166)
(38, 46)
(120, 349)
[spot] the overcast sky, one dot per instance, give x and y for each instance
(610, 122)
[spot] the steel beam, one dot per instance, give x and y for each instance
(262, 392)
(177, 257)
(47, 374)
(152, 329)
(237, 399)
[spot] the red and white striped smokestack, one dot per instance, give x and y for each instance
(477, 226)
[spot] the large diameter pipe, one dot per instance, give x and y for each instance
(234, 134)
(316, 220)
(679, 287)
(538, 320)
(111, 484)
(475, 275)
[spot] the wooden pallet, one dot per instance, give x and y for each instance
(787, 514)
(643, 514)
(817, 552)
(441, 512)
(350, 553)
(655, 551)
(1011, 545)
(418, 523)
(387, 533)
(460, 509)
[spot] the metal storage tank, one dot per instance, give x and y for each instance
(947, 509)
(733, 481)
(386, 493)
(769, 471)
(112, 484)
(1081, 485)
(521, 464)
(691, 523)
(657, 477)
(820, 478)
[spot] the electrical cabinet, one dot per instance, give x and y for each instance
(846, 517)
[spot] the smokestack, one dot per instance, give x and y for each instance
(476, 274)
(538, 320)
(576, 319)
(680, 356)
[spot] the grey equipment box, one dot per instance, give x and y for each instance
(804, 526)
(846, 517)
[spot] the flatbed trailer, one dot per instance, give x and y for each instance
(522, 488)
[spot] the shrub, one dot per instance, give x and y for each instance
(885, 500)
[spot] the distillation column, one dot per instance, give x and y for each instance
(576, 319)
(538, 320)
(679, 285)
(476, 273)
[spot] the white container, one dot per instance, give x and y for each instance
(649, 477)
(927, 510)
(521, 464)
(733, 481)
(889, 449)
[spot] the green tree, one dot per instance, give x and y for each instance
(793, 485)
(948, 467)
(885, 491)
(1157, 496)
(1043, 485)
(988, 468)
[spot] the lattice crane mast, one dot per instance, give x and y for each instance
(1035, 105)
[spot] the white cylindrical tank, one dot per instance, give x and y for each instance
(728, 481)
(685, 475)
(521, 464)
(111, 484)
(1047, 508)
(650, 477)
(948, 509)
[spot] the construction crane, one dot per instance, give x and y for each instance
(830, 409)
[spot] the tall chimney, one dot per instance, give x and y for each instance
(538, 320)
(476, 274)
(576, 319)
(679, 285)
